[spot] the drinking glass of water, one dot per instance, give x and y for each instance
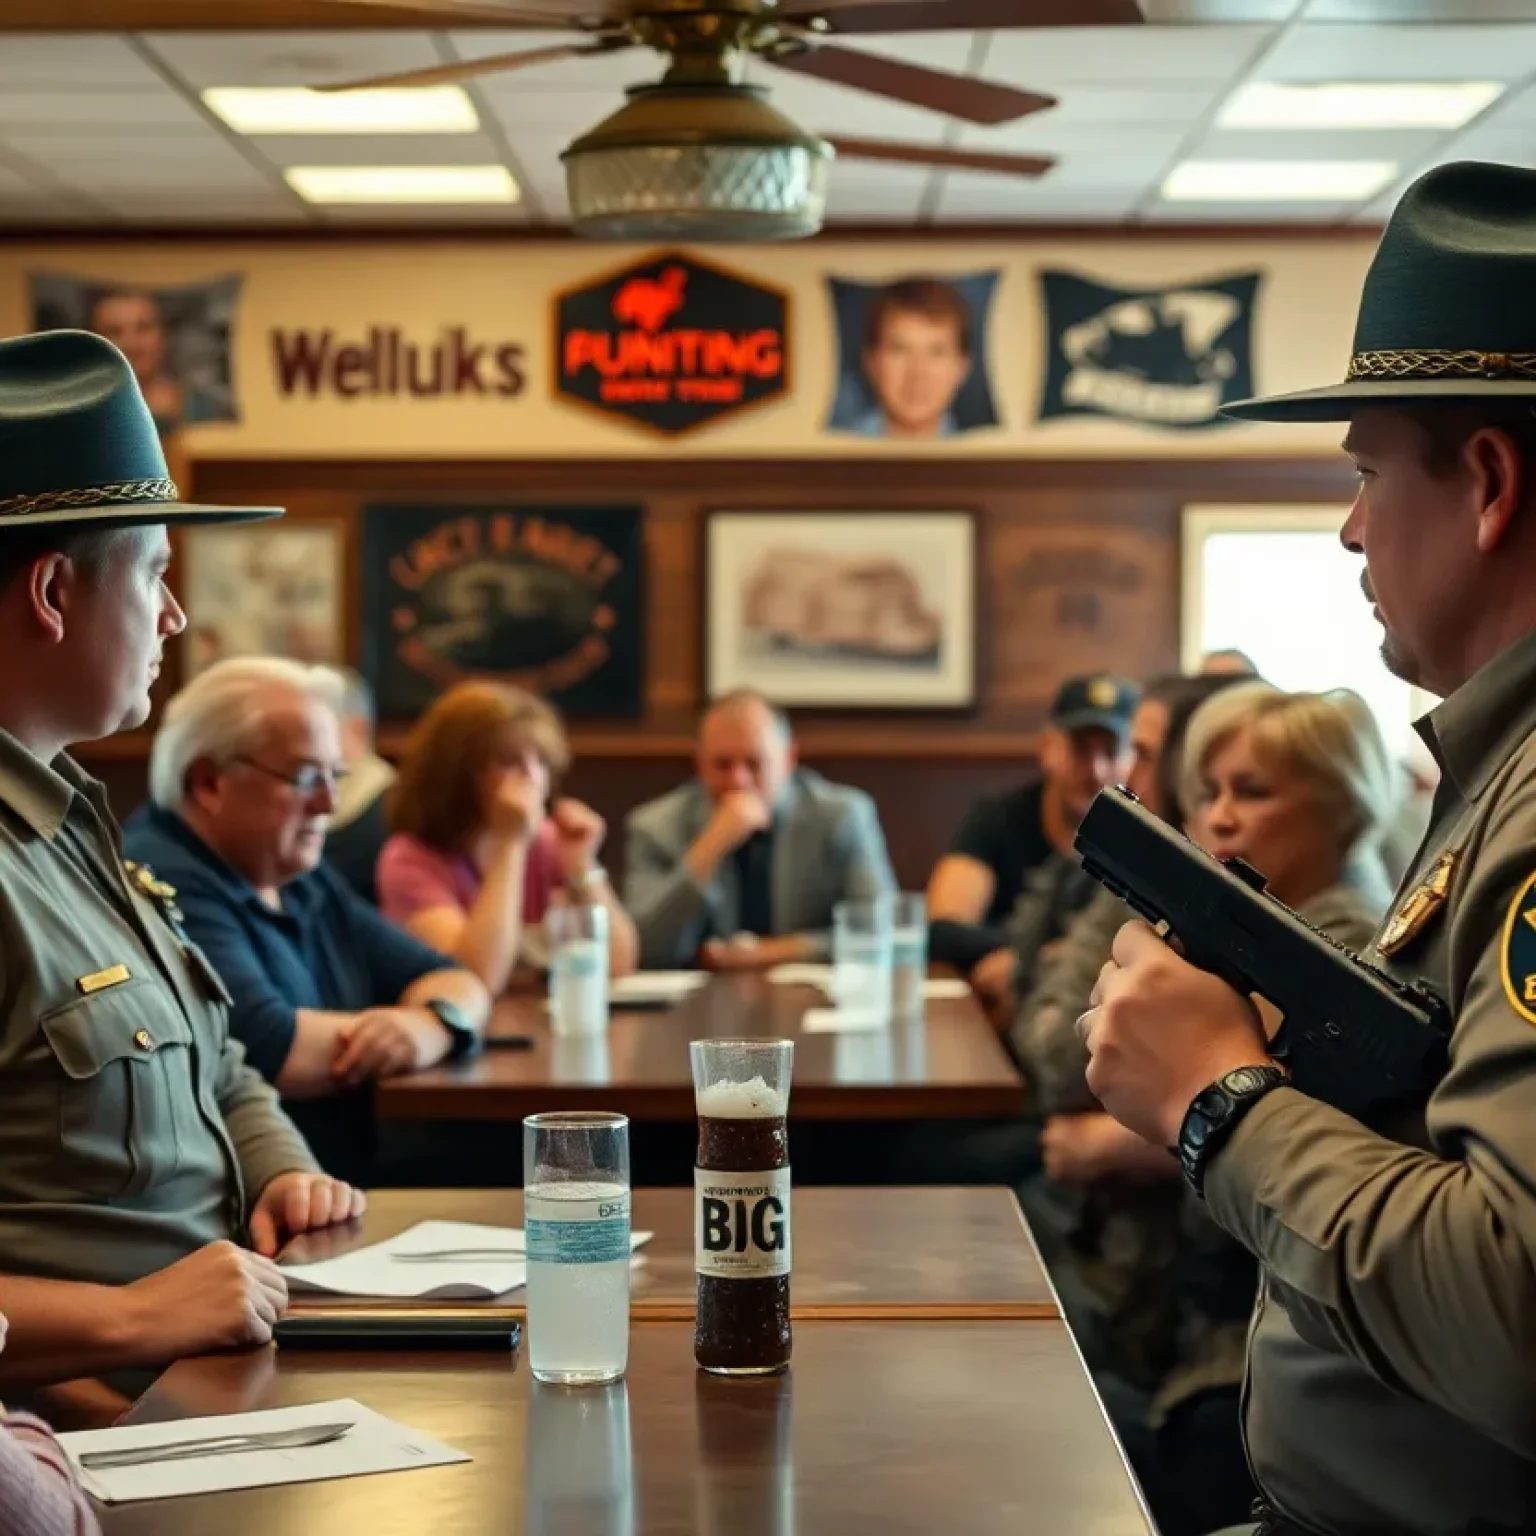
(909, 953)
(576, 1216)
(578, 968)
(861, 954)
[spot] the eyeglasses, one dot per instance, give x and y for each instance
(305, 779)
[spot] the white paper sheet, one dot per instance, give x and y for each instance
(797, 974)
(373, 1444)
(377, 1271)
(654, 987)
(939, 989)
(816, 1021)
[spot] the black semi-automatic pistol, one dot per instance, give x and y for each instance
(1351, 1035)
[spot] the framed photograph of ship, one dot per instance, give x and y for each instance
(842, 610)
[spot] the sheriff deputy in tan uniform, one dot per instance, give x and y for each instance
(146, 1172)
(1391, 1381)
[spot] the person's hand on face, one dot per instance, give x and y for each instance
(516, 808)
(738, 814)
(580, 830)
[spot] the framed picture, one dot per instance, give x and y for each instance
(551, 599)
(843, 610)
(262, 589)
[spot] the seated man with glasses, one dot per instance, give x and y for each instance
(327, 995)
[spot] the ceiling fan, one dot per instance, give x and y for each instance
(699, 154)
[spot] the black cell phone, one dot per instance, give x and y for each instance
(509, 1042)
(458, 1328)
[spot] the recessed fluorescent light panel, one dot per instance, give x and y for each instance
(403, 183)
(1277, 181)
(296, 109)
(1360, 104)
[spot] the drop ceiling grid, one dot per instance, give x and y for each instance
(89, 124)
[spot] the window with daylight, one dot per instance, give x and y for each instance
(1276, 583)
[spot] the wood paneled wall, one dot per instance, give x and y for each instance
(1078, 571)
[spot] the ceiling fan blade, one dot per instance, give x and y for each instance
(550, 15)
(468, 69)
(863, 16)
(962, 96)
(949, 159)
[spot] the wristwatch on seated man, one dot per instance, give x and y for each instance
(1214, 1113)
(463, 1036)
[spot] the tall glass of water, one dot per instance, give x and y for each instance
(861, 955)
(576, 1215)
(578, 968)
(909, 953)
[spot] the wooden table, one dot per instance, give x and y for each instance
(969, 1429)
(950, 1065)
(859, 1253)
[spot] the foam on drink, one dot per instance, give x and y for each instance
(751, 1100)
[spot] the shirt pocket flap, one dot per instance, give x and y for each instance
(127, 1022)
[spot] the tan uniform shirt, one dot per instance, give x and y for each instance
(1392, 1363)
(133, 1131)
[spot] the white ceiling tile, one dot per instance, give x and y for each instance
(1127, 107)
(75, 62)
(424, 213)
(1053, 58)
(202, 148)
(1463, 11)
(549, 116)
(378, 149)
(972, 196)
(1401, 146)
(15, 183)
(1087, 155)
(213, 178)
(301, 58)
(203, 208)
(865, 189)
(1248, 213)
(939, 50)
(120, 111)
(1402, 53)
(1509, 146)
(1233, 12)
(824, 107)
(1516, 107)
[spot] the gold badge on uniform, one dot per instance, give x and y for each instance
(1517, 956)
(1103, 694)
(1419, 905)
(98, 981)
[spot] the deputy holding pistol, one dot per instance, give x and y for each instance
(1392, 1366)
(147, 1174)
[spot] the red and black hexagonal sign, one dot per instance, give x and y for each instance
(672, 343)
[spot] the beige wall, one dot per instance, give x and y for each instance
(504, 293)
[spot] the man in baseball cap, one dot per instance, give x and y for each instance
(1010, 879)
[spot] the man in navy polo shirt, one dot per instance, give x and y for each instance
(327, 995)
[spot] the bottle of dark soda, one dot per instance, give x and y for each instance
(741, 1216)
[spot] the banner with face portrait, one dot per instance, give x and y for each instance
(176, 339)
(913, 356)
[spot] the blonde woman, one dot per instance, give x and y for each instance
(1300, 786)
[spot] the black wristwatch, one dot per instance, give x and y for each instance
(1213, 1115)
(464, 1036)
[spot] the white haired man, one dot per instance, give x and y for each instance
(328, 995)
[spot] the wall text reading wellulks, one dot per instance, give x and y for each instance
(387, 363)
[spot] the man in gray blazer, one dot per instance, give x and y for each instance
(740, 869)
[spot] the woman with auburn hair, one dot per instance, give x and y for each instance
(476, 859)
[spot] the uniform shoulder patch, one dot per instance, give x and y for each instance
(1517, 953)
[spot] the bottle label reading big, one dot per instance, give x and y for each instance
(741, 1224)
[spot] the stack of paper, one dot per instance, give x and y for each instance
(432, 1261)
(248, 1450)
(797, 974)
